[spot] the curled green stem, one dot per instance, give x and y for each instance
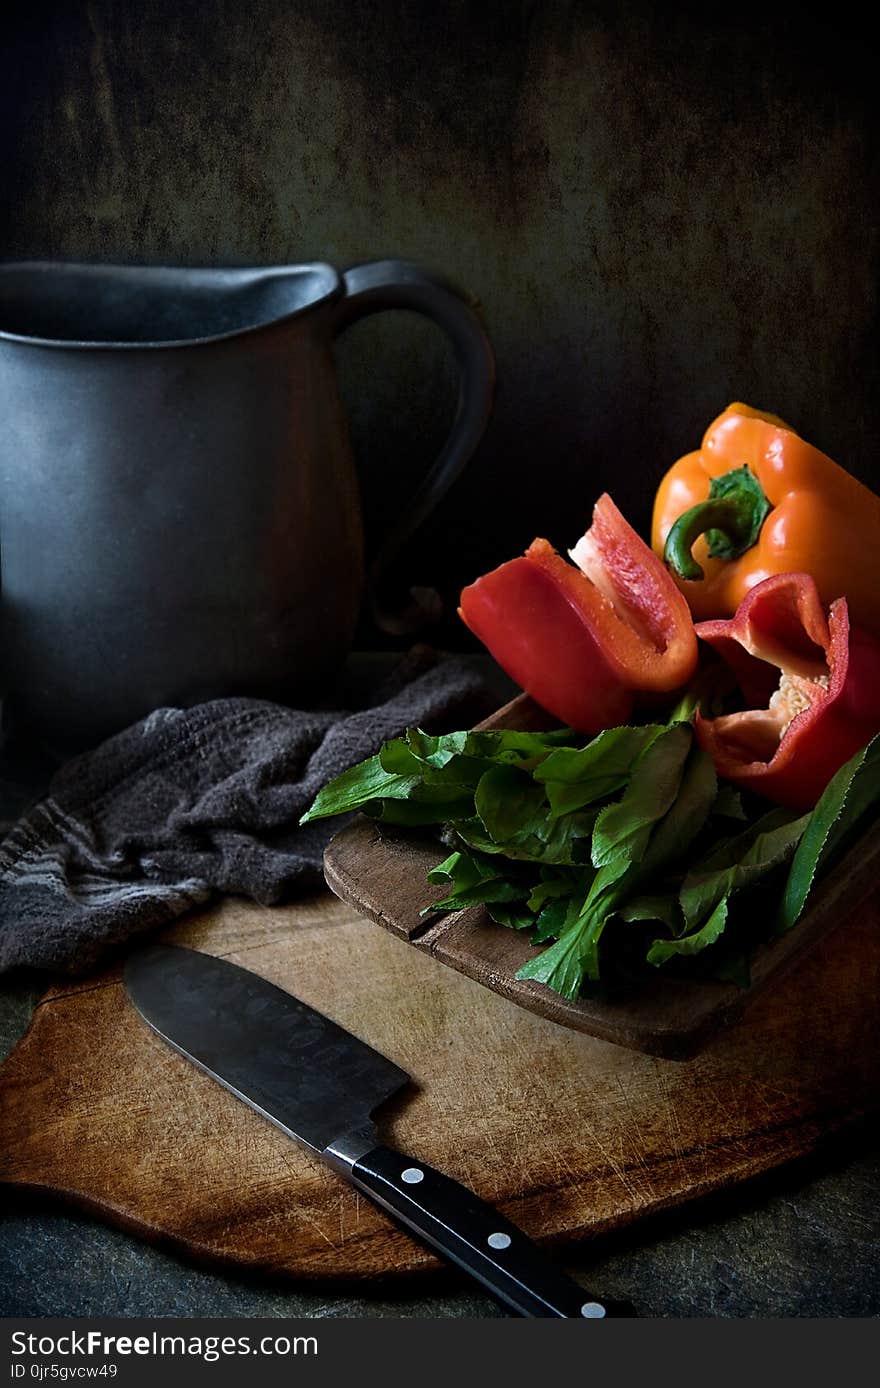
(731, 519)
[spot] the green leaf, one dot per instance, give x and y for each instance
(465, 772)
(686, 816)
(501, 746)
(472, 833)
(357, 787)
(427, 805)
(408, 768)
(511, 807)
(498, 889)
(435, 751)
(477, 879)
(663, 908)
(579, 776)
(740, 862)
(513, 916)
(623, 829)
(848, 797)
(559, 966)
(551, 918)
(550, 890)
(561, 908)
(698, 940)
(396, 758)
(513, 811)
(463, 870)
(575, 955)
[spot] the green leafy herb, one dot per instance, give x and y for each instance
(683, 821)
(658, 837)
(697, 940)
(574, 955)
(740, 862)
(464, 870)
(430, 770)
(654, 908)
(513, 811)
(578, 776)
(847, 798)
(428, 804)
(358, 787)
(624, 827)
(585, 844)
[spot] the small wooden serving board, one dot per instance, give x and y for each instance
(566, 1134)
(383, 875)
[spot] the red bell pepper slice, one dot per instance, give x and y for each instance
(583, 642)
(815, 682)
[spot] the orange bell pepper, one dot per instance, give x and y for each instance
(585, 641)
(757, 500)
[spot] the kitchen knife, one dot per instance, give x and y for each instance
(321, 1085)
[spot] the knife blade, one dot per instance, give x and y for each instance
(321, 1086)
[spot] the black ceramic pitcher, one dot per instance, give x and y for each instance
(179, 510)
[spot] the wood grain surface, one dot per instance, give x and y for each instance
(382, 873)
(567, 1134)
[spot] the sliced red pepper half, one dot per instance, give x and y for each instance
(815, 684)
(583, 642)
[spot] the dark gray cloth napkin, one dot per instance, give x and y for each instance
(193, 802)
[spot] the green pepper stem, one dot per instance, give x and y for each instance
(706, 515)
(731, 519)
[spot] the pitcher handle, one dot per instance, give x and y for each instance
(398, 284)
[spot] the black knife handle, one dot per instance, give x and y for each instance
(471, 1234)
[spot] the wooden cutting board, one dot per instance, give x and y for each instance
(567, 1134)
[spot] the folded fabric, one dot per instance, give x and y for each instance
(193, 802)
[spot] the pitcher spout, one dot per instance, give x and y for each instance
(54, 304)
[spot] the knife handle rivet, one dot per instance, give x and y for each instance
(499, 1240)
(412, 1175)
(592, 1310)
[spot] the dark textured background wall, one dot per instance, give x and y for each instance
(660, 210)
